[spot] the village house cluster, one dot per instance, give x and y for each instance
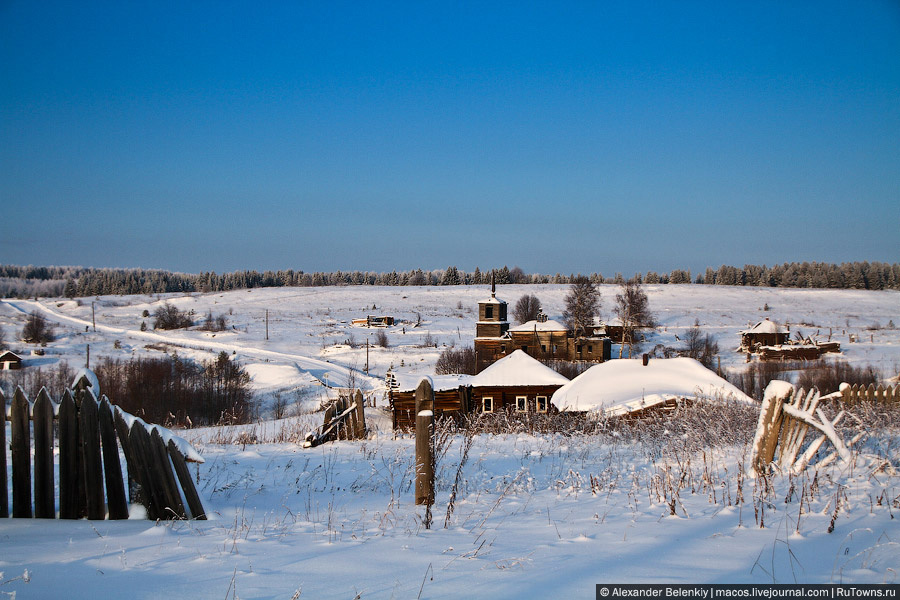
(542, 338)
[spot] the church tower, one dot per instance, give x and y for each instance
(491, 336)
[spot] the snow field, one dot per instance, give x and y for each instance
(535, 516)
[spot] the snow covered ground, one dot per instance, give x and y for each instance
(535, 515)
(309, 328)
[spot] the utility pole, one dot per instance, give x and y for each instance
(87, 362)
(267, 324)
(367, 354)
(93, 316)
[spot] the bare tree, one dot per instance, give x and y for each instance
(700, 346)
(37, 330)
(527, 308)
(169, 317)
(2, 339)
(633, 309)
(453, 361)
(582, 305)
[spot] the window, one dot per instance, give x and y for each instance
(488, 312)
(487, 404)
(525, 349)
(521, 404)
(543, 348)
(542, 404)
(502, 347)
(590, 349)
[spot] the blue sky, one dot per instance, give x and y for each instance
(559, 137)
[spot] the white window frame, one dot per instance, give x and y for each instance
(537, 404)
(524, 404)
(487, 404)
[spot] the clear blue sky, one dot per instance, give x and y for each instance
(627, 136)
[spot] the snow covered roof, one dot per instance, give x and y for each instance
(517, 369)
(408, 382)
(627, 383)
(548, 325)
(492, 300)
(92, 380)
(9, 355)
(765, 326)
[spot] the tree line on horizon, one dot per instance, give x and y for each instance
(74, 282)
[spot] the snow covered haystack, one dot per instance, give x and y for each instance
(619, 387)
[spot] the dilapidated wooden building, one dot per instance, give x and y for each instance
(764, 333)
(452, 397)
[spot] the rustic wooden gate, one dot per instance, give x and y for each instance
(89, 434)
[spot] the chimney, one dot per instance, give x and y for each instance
(646, 359)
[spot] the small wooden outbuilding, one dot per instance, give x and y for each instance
(516, 383)
(10, 361)
(764, 333)
(452, 397)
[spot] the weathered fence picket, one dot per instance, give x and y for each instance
(117, 504)
(20, 450)
(88, 422)
(42, 420)
(89, 461)
(71, 505)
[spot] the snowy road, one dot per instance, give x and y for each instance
(328, 373)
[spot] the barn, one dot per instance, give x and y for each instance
(10, 361)
(515, 383)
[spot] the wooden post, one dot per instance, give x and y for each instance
(4, 499)
(424, 441)
(42, 416)
(20, 442)
(187, 484)
(90, 451)
(69, 449)
(112, 468)
(360, 416)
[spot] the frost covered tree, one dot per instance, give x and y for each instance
(527, 308)
(451, 277)
(633, 309)
(582, 305)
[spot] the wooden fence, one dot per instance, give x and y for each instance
(345, 419)
(787, 415)
(87, 432)
(854, 394)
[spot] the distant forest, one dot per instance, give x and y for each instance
(72, 282)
